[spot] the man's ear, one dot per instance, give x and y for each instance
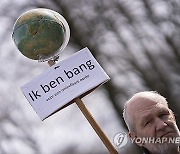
(134, 139)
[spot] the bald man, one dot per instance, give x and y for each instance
(151, 123)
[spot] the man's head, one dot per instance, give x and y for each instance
(147, 115)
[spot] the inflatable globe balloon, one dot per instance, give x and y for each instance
(41, 34)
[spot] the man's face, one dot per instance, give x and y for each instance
(152, 119)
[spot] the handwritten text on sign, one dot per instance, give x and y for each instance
(63, 82)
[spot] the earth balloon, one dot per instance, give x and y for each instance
(40, 34)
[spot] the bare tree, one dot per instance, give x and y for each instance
(136, 42)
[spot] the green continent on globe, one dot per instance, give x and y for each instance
(38, 33)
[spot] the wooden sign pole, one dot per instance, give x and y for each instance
(95, 126)
(92, 121)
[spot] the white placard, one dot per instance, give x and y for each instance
(64, 81)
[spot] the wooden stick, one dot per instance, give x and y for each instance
(95, 126)
(91, 120)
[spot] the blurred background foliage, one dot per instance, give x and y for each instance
(137, 42)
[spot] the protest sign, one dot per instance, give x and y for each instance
(64, 81)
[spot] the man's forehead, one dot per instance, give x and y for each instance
(143, 104)
(145, 108)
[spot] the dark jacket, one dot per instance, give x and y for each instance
(145, 151)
